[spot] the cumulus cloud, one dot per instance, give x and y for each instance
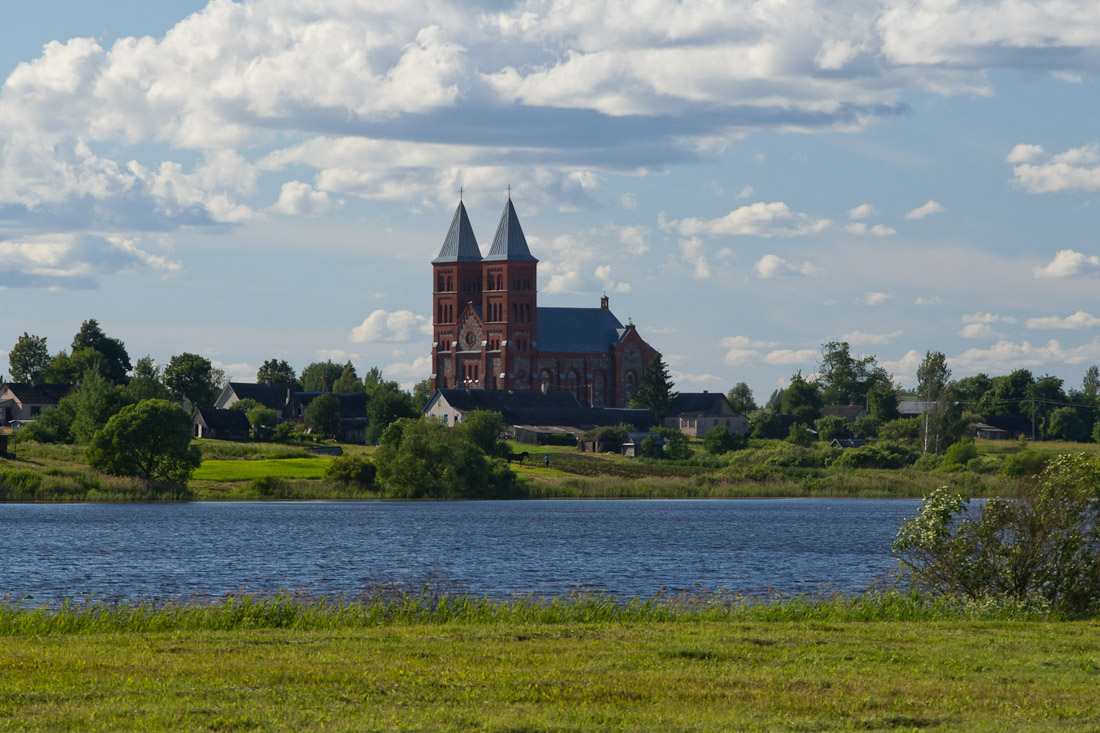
(629, 201)
(925, 300)
(770, 266)
(300, 199)
(694, 253)
(743, 350)
(980, 325)
(926, 209)
(1036, 171)
(905, 367)
(75, 261)
(1080, 319)
(414, 370)
(384, 325)
(860, 338)
(1006, 356)
(873, 299)
(745, 192)
(862, 211)
(757, 220)
(1068, 263)
(877, 230)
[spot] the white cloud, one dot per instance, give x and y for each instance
(862, 211)
(859, 338)
(300, 199)
(880, 230)
(1006, 356)
(905, 367)
(1036, 171)
(628, 201)
(1080, 319)
(926, 209)
(924, 300)
(417, 369)
(383, 325)
(856, 227)
(980, 325)
(1067, 263)
(789, 356)
(693, 252)
(757, 220)
(745, 192)
(770, 266)
(875, 298)
(742, 350)
(75, 260)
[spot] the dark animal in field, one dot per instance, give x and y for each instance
(521, 457)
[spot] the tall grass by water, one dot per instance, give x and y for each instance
(294, 611)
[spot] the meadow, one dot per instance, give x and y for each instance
(456, 663)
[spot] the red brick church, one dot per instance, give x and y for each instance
(490, 332)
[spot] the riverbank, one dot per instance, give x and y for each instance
(262, 471)
(578, 664)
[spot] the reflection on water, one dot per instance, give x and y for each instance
(629, 548)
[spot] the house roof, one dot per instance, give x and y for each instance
(460, 244)
(274, 396)
(235, 420)
(509, 242)
(37, 394)
(533, 407)
(352, 404)
(909, 408)
(577, 330)
(848, 412)
(695, 404)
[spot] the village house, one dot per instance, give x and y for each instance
(218, 424)
(696, 413)
(23, 402)
(850, 413)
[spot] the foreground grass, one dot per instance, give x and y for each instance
(579, 665)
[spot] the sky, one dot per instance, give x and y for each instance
(745, 180)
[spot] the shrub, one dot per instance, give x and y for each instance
(832, 427)
(718, 440)
(1027, 462)
(352, 470)
(959, 454)
(880, 455)
(150, 440)
(1042, 546)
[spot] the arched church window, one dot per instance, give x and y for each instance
(629, 387)
(571, 383)
(597, 389)
(544, 381)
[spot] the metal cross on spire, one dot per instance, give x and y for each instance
(460, 190)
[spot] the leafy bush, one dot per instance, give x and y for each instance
(984, 464)
(1027, 462)
(353, 470)
(865, 427)
(150, 440)
(904, 429)
(959, 454)
(880, 455)
(719, 440)
(788, 455)
(1042, 546)
(832, 427)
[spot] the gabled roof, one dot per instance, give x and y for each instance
(460, 245)
(577, 330)
(37, 394)
(273, 396)
(231, 420)
(696, 404)
(850, 413)
(533, 407)
(509, 242)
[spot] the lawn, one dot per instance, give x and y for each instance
(239, 470)
(681, 675)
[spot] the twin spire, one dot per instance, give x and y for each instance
(460, 245)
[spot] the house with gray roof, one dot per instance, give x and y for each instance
(491, 334)
(696, 413)
(23, 402)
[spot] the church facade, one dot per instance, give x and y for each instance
(490, 333)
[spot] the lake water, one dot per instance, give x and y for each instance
(51, 552)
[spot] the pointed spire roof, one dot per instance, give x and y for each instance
(460, 244)
(509, 242)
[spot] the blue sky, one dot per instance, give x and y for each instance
(746, 180)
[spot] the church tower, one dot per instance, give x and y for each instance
(509, 304)
(457, 280)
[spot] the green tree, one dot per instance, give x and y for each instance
(28, 359)
(882, 403)
(150, 440)
(373, 379)
(354, 469)
(1008, 394)
(192, 378)
(654, 389)
(245, 404)
(1043, 546)
(802, 399)
(262, 418)
(146, 384)
(740, 397)
(845, 379)
(425, 458)
(322, 415)
(348, 381)
(932, 379)
(387, 404)
(275, 371)
(93, 404)
(832, 427)
(1064, 424)
(70, 368)
(485, 430)
(720, 440)
(765, 424)
(799, 434)
(972, 390)
(1090, 384)
(320, 376)
(115, 360)
(422, 394)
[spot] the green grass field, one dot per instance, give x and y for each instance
(246, 470)
(682, 675)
